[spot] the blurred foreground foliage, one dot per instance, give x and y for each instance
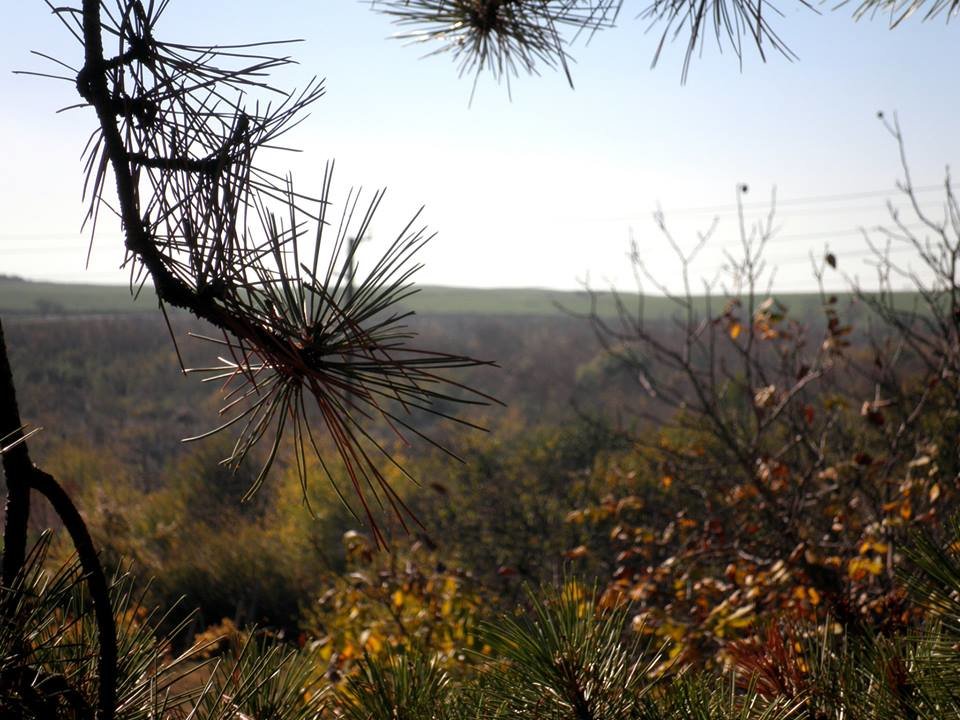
(565, 652)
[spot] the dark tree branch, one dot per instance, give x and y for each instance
(47, 486)
(16, 469)
(22, 476)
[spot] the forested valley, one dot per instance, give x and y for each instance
(592, 488)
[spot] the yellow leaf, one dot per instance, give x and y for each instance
(740, 618)
(373, 644)
(673, 630)
(735, 329)
(872, 545)
(858, 568)
(397, 598)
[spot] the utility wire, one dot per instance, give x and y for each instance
(892, 194)
(810, 199)
(819, 235)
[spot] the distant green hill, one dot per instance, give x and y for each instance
(536, 301)
(24, 297)
(21, 297)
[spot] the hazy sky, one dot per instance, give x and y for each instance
(543, 190)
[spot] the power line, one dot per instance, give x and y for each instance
(822, 235)
(808, 212)
(42, 250)
(836, 197)
(56, 236)
(780, 203)
(827, 234)
(774, 263)
(819, 235)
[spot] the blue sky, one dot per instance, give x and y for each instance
(544, 189)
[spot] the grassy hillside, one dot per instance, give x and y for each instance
(19, 297)
(536, 301)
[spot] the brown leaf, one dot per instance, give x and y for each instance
(576, 553)
(765, 397)
(829, 474)
(874, 417)
(630, 502)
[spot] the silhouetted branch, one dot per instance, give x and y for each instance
(505, 37)
(16, 469)
(182, 144)
(22, 476)
(96, 581)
